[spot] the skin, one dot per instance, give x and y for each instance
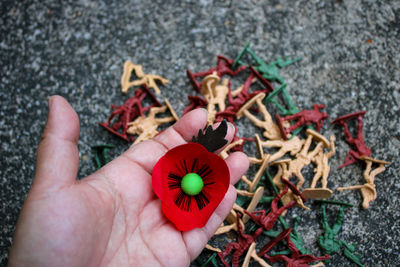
(112, 217)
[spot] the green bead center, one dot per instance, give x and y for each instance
(192, 184)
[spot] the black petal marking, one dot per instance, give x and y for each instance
(174, 181)
(201, 200)
(183, 201)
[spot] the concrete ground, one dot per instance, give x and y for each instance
(350, 62)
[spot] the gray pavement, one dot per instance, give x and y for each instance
(350, 62)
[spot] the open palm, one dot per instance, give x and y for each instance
(112, 217)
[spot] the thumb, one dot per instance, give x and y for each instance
(57, 154)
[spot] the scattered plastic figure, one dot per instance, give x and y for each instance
(130, 110)
(255, 199)
(272, 243)
(322, 167)
(297, 259)
(223, 103)
(208, 86)
(257, 177)
(292, 146)
(224, 66)
(220, 93)
(290, 108)
(358, 143)
(369, 174)
(282, 167)
(215, 94)
(244, 242)
(225, 115)
(252, 254)
(261, 155)
(268, 71)
(303, 118)
(267, 221)
(100, 154)
(195, 102)
(262, 160)
(329, 241)
(294, 237)
(211, 248)
(368, 190)
(211, 261)
(147, 79)
(278, 180)
(225, 152)
(271, 130)
(303, 158)
(237, 98)
(232, 224)
(146, 126)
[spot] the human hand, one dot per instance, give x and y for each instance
(111, 217)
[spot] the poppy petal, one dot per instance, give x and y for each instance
(188, 212)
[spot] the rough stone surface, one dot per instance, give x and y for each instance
(350, 62)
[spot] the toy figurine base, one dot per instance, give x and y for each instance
(319, 137)
(317, 193)
(377, 161)
(248, 104)
(210, 81)
(349, 116)
(254, 202)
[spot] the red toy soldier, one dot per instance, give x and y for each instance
(195, 102)
(358, 143)
(244, 242)
(244, 95)
(131, 109)
(296, 259)
(304, 117)
(224, 66)
(268, 221)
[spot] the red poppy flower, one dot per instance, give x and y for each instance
(191, 182)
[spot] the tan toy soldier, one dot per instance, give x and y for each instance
(148, 79)
(303, 158)
(209, 247)
(321, 160)
(257, 177)
(271, 130)
(369, 174)
(255, 199)
(252, 254)
(262, 160)
(146, 127)
(221, 92)
(232, 224)
(292, 146)
(208, 86)
(260, 151)
(368, 190)
(225, 152)
(283, 172)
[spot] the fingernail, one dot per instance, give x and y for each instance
(205, 110)
(50, 101)
(231, 125)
